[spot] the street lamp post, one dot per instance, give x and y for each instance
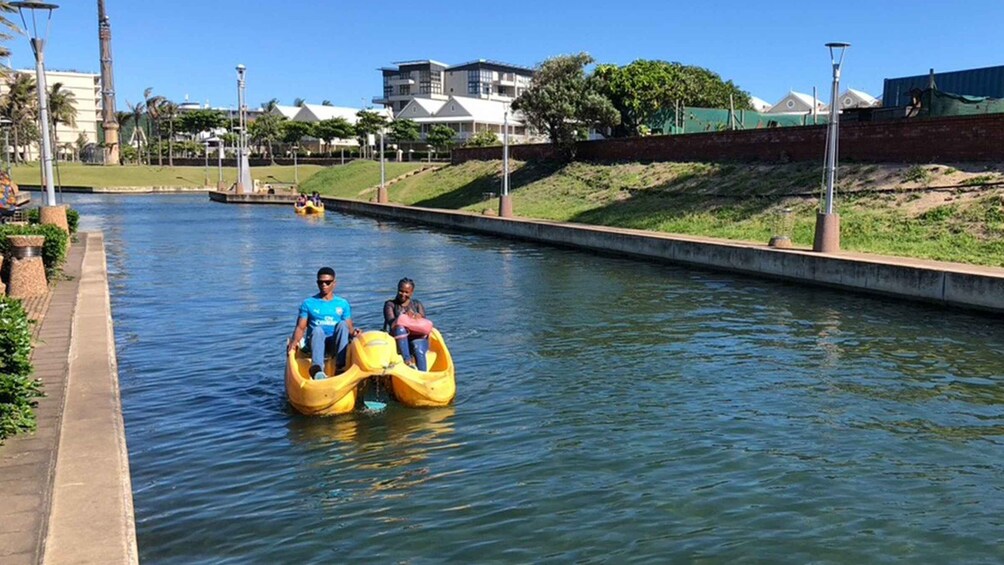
(244, 183)
(38, 48)
(205, 144)
(382, 191)
(827, 236)
(505, 202)
(219, 160)
(296, 174)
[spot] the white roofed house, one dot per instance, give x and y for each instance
(759, 104)
(286, 111)
(466, 116)
(798, 103)
(313, 113)
(857, 99)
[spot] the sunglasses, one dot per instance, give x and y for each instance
(325, 282)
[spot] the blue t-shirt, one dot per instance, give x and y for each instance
(325, 314)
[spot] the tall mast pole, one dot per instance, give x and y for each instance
(108, 122)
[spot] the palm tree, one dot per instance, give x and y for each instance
(326, 103)
(169, 111)
(62, 109)
(299, 102)
(20, 106)
(7, 30)
(153, 103)
(270, 105)
(138, 136)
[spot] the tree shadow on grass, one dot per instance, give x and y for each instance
(488, 186)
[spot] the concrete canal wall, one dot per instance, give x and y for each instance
(951, 284)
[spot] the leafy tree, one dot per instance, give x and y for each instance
(404, 130)
(643, 88)
(267, 129)
(198, 121)
(335, 128)
(293, 132)
(441, 136)
(368, 123)
(561, 101)
(484, 138)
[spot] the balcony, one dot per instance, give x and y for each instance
(380, 100)
(400, 81)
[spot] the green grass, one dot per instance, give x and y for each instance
(355, 179)
(737, 202)
(76, 174)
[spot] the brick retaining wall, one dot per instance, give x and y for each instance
(964, 138)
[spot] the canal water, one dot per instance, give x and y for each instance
(607, 410)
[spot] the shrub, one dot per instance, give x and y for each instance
(918, 174)
(17, 389)
(72, 218)
(53, 250)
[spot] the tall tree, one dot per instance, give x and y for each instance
(153, 103)
(299, 102)
(293, 132)
(562, 103)
(270, 105)
(643, 88)
(20, 105)
(267, 129)
(139, 137)
(326, 103)
(62, 109)
(169, 112)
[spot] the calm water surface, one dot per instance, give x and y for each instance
(607, 410)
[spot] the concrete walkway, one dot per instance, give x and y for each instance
(66, 489)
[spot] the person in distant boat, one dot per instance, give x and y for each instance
(301, 200)
(404, 318)
(326, 320)
(316, 199)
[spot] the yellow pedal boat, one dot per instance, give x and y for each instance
(372, 354)
(309, 208)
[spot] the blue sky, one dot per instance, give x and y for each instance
(331, 49)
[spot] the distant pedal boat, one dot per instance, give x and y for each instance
(309, 208)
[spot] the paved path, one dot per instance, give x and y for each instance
(66, 490)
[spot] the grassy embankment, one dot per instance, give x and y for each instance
(357, 180)
(76, 174)
(948, 213)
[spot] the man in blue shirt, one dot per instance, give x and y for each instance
(327, 321)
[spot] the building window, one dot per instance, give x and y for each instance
(405, 90)
(479, 82)
(387, 90)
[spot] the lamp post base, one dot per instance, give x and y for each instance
(827, 238)
(55, 215)
(505, 206)
(382, 195)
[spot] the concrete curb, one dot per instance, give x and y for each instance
(91, 517)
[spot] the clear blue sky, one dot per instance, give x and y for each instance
(331, 49)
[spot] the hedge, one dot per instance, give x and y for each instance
(72, 218)
(53, 250)
(18, 390)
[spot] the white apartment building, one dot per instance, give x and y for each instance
(86, 89)
(433, 80)
(469, 98)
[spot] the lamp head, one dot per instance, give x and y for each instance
(839, 46)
